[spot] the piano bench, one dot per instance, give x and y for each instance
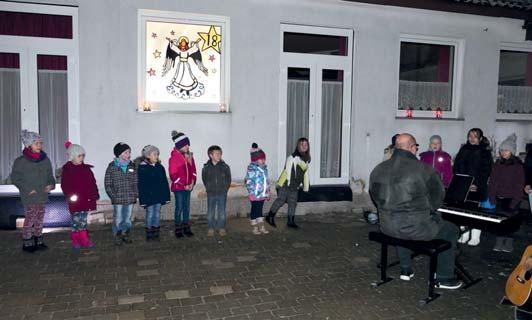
(429, 248)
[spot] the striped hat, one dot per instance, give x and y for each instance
(256, 153)
(180, 139)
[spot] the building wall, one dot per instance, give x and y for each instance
(108, 78)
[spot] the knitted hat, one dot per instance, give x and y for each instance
(180, 140)
(119, 148)
(29, 137)
(149, 149)
(256, 153)
(509, 144)
(73, 150)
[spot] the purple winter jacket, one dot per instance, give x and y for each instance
(441, 161)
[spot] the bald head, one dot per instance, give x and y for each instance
(407, 142)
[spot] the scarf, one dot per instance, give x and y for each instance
(122, 164)
(32, 156)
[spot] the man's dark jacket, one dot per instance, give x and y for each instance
(406, 193)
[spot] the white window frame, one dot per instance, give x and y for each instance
(145, 15)
(459, 50)
(28, 48)
(316, 63)
(519, 47)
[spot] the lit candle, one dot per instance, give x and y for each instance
(147, 106)
(223, 107)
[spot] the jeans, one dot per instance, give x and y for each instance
(446, 259)
(182, 207)
(530, 201)
(216, 203)
(122, 217)
(256, 209)
(79, 221)
(153, 216)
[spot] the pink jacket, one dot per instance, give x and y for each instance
(441, 161)
(182, 173)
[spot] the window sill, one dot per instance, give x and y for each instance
(502, 117)
(429, 118)
(182, 112)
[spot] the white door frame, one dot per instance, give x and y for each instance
(28, 48)
(317, 63)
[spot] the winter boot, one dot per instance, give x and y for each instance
(75, 241)
(28, 245)
(270, 219)
(118, 238)
(475, 237)
(156, 233)
(39, 243)
(465, 237)
(499, 243)
(291, 223)
(125, 237)
(508, 245)
(179, 231)
(260, 223)
(187, 231)
(84, 241)
(255, 226)
(149, 233)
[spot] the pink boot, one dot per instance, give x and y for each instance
(74, 237)
(84, 239)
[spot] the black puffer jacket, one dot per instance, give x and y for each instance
(476, 161)
(406, 192)
(216, 178)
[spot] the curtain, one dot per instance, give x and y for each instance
(417, 95)
(297, 112)
(53, 114)
(10, 145)
(331, 129)
(514, 99)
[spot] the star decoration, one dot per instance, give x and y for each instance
(154, 35)
(156, 54)
(211, 39)
(211, 57)
(151, 72)
(172, 32)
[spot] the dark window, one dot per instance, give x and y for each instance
(515, 82)
(35, 25)
(314, 43)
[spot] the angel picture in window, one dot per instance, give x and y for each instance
(184, 83)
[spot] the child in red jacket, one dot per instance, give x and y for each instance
(182, 170)
(81, 193)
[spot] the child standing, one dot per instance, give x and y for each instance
(80, 190)
(32, 175)
(182, 170)
(121, 186)
(293, 176)
(216, 176)
(153, 190)
(438, 159)
(258, 185)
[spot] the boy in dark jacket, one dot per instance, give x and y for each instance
(216, 176)
(80, 190)
(121, 186)
(32, 175)
(154, 191)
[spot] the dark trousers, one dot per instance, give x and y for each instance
(446, 259)
(285, 195)
(256, 209)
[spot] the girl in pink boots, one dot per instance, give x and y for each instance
(80, 190)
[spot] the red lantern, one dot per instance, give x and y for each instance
(438, 113)
(409, 113)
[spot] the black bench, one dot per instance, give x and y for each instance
(429, 248)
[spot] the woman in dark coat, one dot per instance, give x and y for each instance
(474, 159)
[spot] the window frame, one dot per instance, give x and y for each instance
(518, 47)
(145, 15)
(456, 98)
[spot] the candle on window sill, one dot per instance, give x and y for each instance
(146, 107)
(223, 107)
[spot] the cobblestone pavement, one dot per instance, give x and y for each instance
(322, 271)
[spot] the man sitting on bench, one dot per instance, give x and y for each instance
(406, 193)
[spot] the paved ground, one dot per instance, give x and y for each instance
(314, 273)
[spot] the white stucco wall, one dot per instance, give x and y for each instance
(108, 78)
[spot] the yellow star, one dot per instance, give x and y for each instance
(211, 39)
(156, 54)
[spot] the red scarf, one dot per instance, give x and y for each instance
(31, 155)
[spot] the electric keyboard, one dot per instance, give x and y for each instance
(473, 214)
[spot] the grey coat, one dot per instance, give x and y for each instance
(28, 175)
(216, 178)
(121, 187)
(406, 193)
